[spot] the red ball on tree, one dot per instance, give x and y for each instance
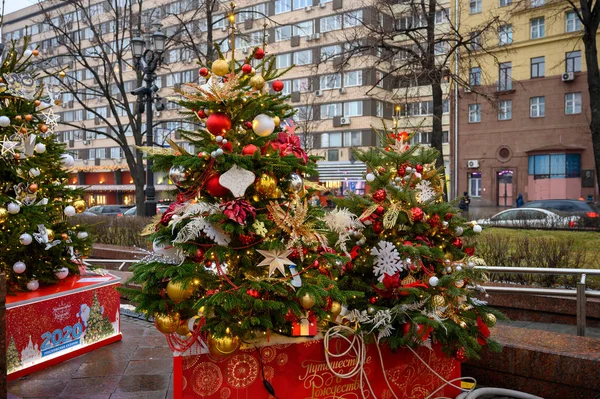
(417, 214)
(248, 125)
(249, 149)
(373, 300)
(457, 242)
(214, 188)
(277, 85)
(202, 114)
(461, 355)
(401, 171)
(403, 136)
(227, 147)
(448, 216)
(380, 210)
(218, 123)
(259, 54)
(203, 72)
(199, 256)
(377, 227)
(419, 168)
(434, 220)
(379, 195)
(246, 68)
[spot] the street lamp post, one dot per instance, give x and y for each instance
(147, 59)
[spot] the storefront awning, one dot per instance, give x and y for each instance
(121, 187)
(343, 170)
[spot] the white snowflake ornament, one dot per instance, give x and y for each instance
(388, 260)
(426, 192)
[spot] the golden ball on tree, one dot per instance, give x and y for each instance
(79, 205)
(257, 82)
(167, 323)
(178, 291)
(336, 309)
(62, 74)
(491, 318)
(3, 214)
(276, 120)
(438, 301)
(266, 185)
(64, 236)
(307, 301)
(220, 67)
(224, 346)
(51, 234)
(183, 329)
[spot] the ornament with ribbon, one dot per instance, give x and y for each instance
(289, 144)
(239, 210)
(42, 237)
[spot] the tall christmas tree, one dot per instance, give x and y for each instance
(13, 360)
(409, 258)
(98, 325)
(39, 246)
(241, 248)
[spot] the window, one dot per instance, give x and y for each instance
(283, 33)
(333, 81)
(283, 60)
(333, 155)
(333, 22)
(115, 152)
(475, 41)
(475, 76)
(474, 180)
(537, 28)
(573, 61)
(328, 111)
(441, 16)
(287, 87)
(537, 3)
(440, 48)
(331, 140)
(353, 18)
(353, 78)
(537, 107)
(475, 6)
(421, 138)
(505, 3)
(302, 85)
(552, 166)
(101, 153)
(419, 108)
(505, 35)
(303, 57)
(474, 113)
(304, 113)
(328, 52)
(352, 139)
(505, 110)
(303, 28)
(353, 108)
(573, 23)
(505, 76)
(379, 109)
(537, 67)
(282, 6)
(572, 103)
(445, 137)
(300, 4)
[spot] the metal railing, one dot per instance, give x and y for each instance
(121, 262)
(580, 293)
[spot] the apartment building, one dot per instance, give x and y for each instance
(524, 126)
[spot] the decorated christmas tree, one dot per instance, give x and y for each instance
(98, 326)
(13, 360)
(241, 251)
(39, 245)
(409, 256)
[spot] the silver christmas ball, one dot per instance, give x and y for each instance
(33, 285)
(179, 175)
(25, 238)
(458, 231)
(19, 267)
(13, 208)
(82, 235)
(295, 183)
(433, 281)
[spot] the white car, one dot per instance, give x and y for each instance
(530, 218)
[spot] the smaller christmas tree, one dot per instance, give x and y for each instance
(98, 326)
(13, 360)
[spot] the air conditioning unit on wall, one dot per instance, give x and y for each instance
(345, 121)
(472, 163)
(568, 76)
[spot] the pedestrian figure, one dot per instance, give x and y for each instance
(464, 203)
(520, 201)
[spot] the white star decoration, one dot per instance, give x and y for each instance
(276, 260)
(51, 119)
(8, 146)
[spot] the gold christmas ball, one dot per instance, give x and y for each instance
(178, 292)
(201, 311)
(3, 214)
(183, 329)
(408, 280)
(51, 234)
(79, 205)
(62, 74)
(3, 87)
(438, 301)
(462, 324)
(459, 283)
(167, 323)
(257, 82)
(276, 120)
(224, 346)
(266, 185)
(371, 310)
(336, 309)
(491, 318)
(449, 256)
(307, 301)
(220, 67)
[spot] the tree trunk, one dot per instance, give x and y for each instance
(436, 129)
(209, 31)
(593, 77)
(139, 180)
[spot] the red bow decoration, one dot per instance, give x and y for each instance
(239, 210)
(391, 282)
(469, 251)
(166, 217)
(289, 144)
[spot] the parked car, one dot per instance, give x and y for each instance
(588, 211)
(530, 218)
(109, 210)
(160, 209)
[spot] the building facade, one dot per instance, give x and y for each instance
(523, 127)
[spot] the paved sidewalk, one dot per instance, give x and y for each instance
(138, 367)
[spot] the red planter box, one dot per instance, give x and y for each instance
(56, 323)
(299, 371)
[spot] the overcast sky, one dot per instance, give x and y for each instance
(15, 5)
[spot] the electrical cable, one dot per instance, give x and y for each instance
(266, 383)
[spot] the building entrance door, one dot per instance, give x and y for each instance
(505, 188)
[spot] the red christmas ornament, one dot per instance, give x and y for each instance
(373, 300)
(461, 355)
(246, 239)
(380, 210)
(202, 114)
(381, 170)
(249, 149)
(377, 227)
(434, 220)
(259, 54)
(379, 195)
(469, 251)
(203, 72)
(456, 242)
(290, 316)
(419, 168)
(199, 255)
(391, 282)
(227, 147)
(277, 85)
(409, 243)
(328, 304)
(218, 123)
(248, 125)
(417, 214)
(401, 171)
(403, 135)
(246, 68)
(214, 188)
(448, 216)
